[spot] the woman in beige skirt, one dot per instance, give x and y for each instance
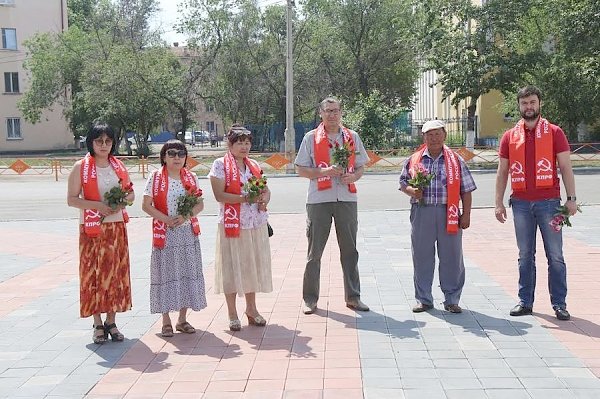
(243, 254)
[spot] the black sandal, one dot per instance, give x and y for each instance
(115, 336)
(97, 338)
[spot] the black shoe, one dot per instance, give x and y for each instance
(113, 331)
(562, 314)
(520, 310)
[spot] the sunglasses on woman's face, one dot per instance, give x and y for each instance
(100, 142)
(178, 153)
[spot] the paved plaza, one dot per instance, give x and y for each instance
(390, 352)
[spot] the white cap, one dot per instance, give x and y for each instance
(432, 125)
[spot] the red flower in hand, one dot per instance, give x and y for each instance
(187, 202)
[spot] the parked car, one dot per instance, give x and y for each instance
(197, 137)
(202, 136)
(131, 137)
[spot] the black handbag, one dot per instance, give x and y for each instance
(269, 229)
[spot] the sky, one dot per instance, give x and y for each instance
(167, 17)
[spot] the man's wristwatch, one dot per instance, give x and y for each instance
(571, 198)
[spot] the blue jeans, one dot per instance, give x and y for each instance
(528, 216)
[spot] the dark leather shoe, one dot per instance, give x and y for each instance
(309, 307)
(421, 307)
(520, 310)
(562, 314)
(453, 308)
(357, 304)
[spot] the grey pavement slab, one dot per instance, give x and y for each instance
(45, 348)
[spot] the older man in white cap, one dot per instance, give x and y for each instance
(436, 217)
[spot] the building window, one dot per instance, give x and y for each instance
(210, 108)
(13, 128)
(11, 82)
(9, 38)
(210, 126)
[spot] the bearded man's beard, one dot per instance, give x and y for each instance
(531, 117)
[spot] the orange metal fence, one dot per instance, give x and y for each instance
(380, 160)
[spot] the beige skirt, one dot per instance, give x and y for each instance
(243, 264)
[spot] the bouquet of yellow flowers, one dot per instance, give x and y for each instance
(421, 179)
(116, 197)
(187, 201)
(254, 187)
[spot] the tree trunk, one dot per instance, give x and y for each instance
(471, 132)
(185, 120)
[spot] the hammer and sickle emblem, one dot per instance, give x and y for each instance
(517, 168)
(544, 165)
(453, 211)
(92, 214)
(160, 226)
(230, 214)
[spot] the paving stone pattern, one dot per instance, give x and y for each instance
(389, 352)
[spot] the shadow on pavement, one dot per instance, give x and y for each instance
(277, 337)
(377, 322)
(481, 324)
(576, 324)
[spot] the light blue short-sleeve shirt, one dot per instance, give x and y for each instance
(338, 191)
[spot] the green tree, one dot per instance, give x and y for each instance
(475, 49)
(55, 64)
(118, 89)
(569, 73)
(374, 119)
(358, 46)
(247, 76)
(72, 67)
(240, 50)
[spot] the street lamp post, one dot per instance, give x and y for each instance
(290, 135)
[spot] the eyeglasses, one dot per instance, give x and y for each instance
(107, 142)
(176, 153)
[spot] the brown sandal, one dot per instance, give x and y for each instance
(257, 320)
(99, 335)
(185, 327)
(114, 332)
(167, 331)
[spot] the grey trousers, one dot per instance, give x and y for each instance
(428, 229)
(318, 227)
